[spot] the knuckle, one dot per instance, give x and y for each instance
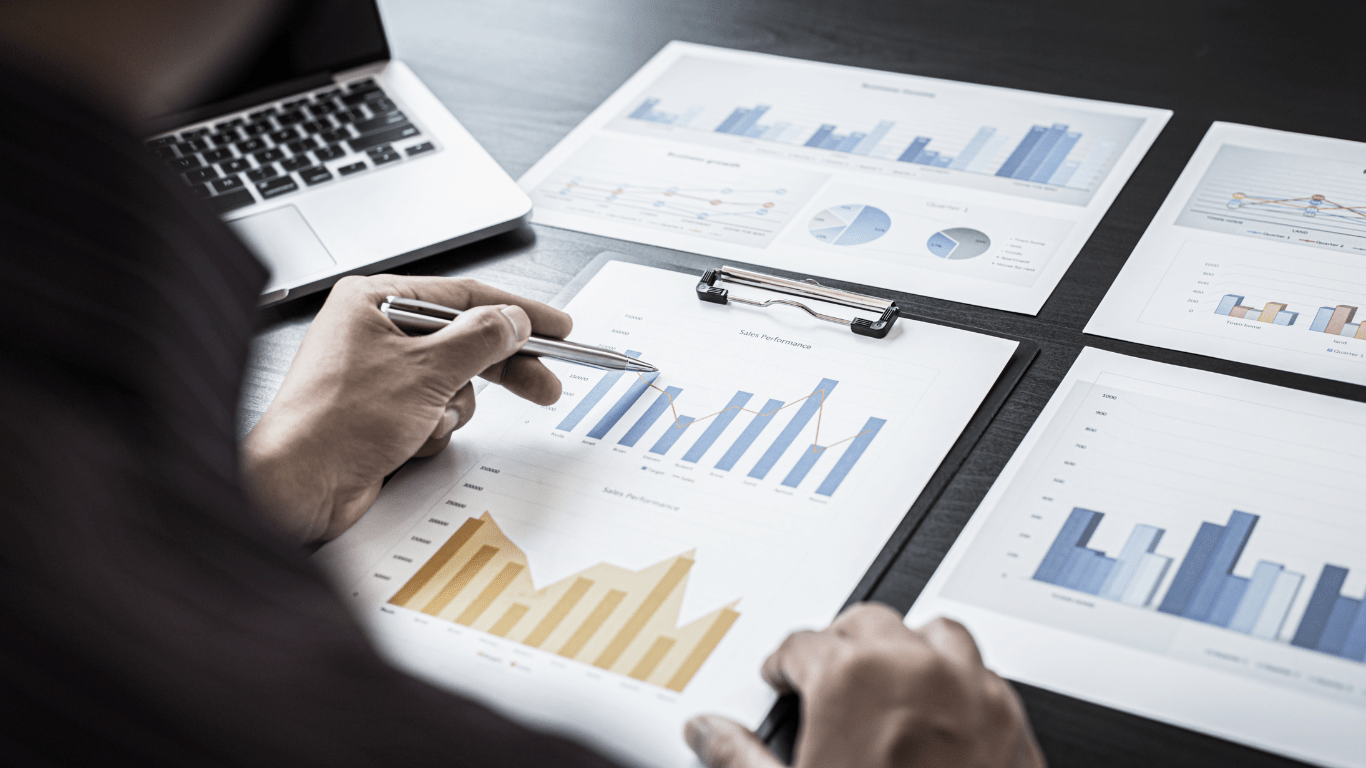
(723, 750)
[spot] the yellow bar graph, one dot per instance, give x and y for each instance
(616, 619)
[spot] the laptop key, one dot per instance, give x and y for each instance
(317, 126)
(193, 145)
(164, 141)
(332, 137)
(361, 86)
(269, 156)
(201, 190)
(194, 133)
(418, 149)
(223, 138)
(382, 104)
(251, 145)
(187, 163)
(347, 170)
(165, 153)
(201, 174)
(315, 175)
(276, 187)
(324, 107)
(284, 135)
(290, 118)
(380, 158)
(397, 133)
(240, 198)
(296, 162)
(235, 166)
(261, 174)
(256, 129)
(302, 145)
(236, 122)
(295, 104)
(376, 123)
(227, 184)
(335, 92)
(218, 155)
(262, 113)
(329, 153)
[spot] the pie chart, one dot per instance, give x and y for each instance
(850, 224)
(958, 243)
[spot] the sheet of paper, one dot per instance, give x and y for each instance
(1256, 256)
(625, 559)
(964, 192)
(1187, 546)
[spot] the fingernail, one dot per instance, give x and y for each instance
(453, 414)
(697, 733)
(519, 320)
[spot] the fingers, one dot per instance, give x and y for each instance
(722, 743)
(475, 341)
(790, 667)
(458, 413)
(952, 640)
(458, 293)
(526, 377)
(863, 620)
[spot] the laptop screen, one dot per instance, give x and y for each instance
(314, 37)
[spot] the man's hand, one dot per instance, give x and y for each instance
(876, 695)
(361, 397)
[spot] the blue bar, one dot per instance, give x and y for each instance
(1321, 605)
(650, 416)
(717, 426)
(832, 141)
(1036, 156)
(643, 111)
(851, 456)
(1142, 540)
(734, 118)
(1064, 173)
(1097, 574)
(793, 428)
(974, 147)
(942, 161)
(1021, 151)
(1192, 569)
(1227, 603)
(747, 438)
(1227, 304)
(1236, 532)
(742, 126)
(913, 151)
(1285, 317)
(1320, 323)
(622, 405)
(1339, 624)
(1254, 599)
(852, 141)
(1074, 570)
(1076, 532)
(872, 139)
(819, 135)
(593, 397)
(926, 157)
(1355, 647)
(1054, 160)
(756, 131)
(799, 471)
(671, 435)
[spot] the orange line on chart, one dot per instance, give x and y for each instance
(1289, 202)
(815, 442)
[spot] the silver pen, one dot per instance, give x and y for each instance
(415, 316)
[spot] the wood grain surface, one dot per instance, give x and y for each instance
(521, 73)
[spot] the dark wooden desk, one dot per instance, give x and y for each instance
(521, 73)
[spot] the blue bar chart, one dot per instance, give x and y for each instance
(1205, 587)
(751, 431)
(1046, 154)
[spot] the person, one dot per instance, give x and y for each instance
(159, 609)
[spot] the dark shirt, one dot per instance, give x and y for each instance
(148, 615)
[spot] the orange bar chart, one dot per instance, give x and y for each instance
(615, 619)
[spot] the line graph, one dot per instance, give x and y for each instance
(1312, 206)
(700, 202)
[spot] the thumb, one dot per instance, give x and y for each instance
(477, 339)
(722, 743)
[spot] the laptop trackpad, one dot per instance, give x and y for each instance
(283, 240)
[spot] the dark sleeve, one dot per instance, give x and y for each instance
(151, 617)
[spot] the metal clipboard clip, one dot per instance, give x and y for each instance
(707, 290)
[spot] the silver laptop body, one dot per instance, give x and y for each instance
(340, 173)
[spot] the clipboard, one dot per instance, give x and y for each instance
(779, 728)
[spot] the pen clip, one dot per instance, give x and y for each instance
(888, 311)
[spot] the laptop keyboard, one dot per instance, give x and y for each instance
(296, 143)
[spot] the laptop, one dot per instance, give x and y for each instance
(328, 158)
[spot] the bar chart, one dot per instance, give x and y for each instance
(662, 406)
(1337, 321)
(615, 619)
(1275, 313)
(1046, 154)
